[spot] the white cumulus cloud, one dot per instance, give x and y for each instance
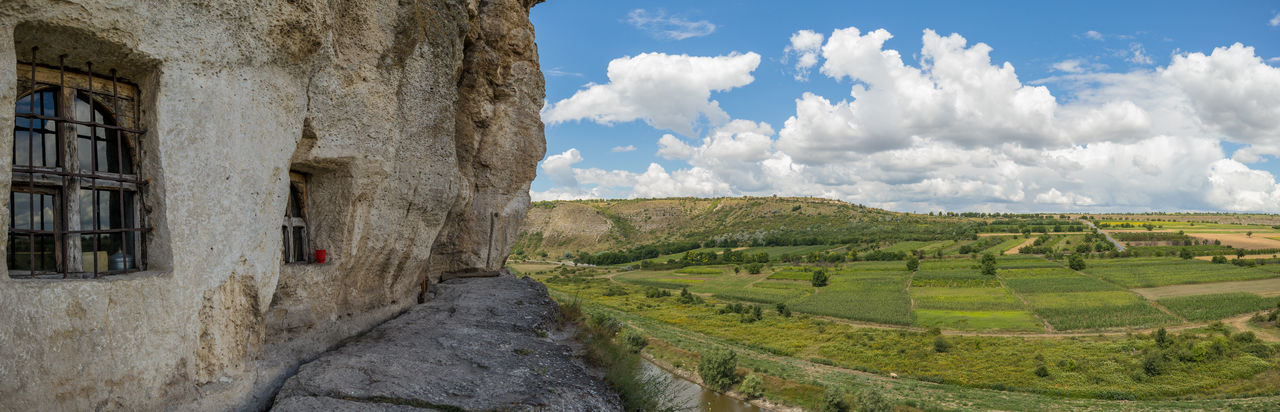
(671, 92)
(804, 47)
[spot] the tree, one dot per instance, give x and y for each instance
(1240, 253)
(716, 369)
(783, 310)
(988, 264)
(819, 278)
(913, 264)
(1185, 253)
(1076, 262)
(754, 268)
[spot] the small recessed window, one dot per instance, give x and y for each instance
(297, 244)
(75, 202)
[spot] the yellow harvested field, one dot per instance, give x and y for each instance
(1240, 240)
(1263, 287)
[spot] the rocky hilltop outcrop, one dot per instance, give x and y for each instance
(414, 123)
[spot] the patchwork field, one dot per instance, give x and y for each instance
(1263, 287)
(1151, 272)
(1028, 292)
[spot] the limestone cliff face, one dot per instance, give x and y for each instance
(415, 121)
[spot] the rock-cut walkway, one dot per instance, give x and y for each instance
(481, 344)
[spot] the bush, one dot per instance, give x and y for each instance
(615, 291)
(833, 401)
(1076, 262)
(783, 310)
(604, 324)
(913, 264)
(688, 298)
(754, 268)
(1219, 259)
(1185, 253)
(634, 341)
(870, 400)
(751, 387)
(656, 293)
(716, 369)
(941, 345)
(988, 264)
(819, 279)
(1042, 371)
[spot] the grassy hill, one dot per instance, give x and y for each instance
(556, 227)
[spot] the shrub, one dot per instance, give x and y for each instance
(870, 400)
(1042, 371)
(754, 268)
(913, 264)
(688, 298)
(833, 401)
(941, 345)
(604, 324)
(615, 291)
(988, 264)
(656, 293)
(716, 369)
(1185, 253)
(1219, 259)
(751, 387)
(783, 310)
(634, 341)
(1076, 262)
(819, 278)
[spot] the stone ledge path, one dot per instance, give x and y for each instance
(480, 344)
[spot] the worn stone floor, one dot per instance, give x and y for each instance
(489, 343)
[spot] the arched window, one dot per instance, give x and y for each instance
(75, 201)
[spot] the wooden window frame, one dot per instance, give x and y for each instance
(118, 102)
(296, 252)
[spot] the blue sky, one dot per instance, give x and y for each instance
(1131, 106)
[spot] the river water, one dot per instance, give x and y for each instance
(697, 398)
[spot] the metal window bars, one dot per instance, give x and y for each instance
(92, 117)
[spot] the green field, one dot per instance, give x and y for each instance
(879, 297)
(1151, 272)
(1096, 310)
(1216, 306)
(987, 320)
(961, 298)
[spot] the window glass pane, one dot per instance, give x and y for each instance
(46, 260)
(19, 252)
(101, 146)
(21, 148)
(299, 233)
(108, 209)
(86, 210)
(50, 150)
(93, 258)
(20, 204)
(82, 112)
(84, 149)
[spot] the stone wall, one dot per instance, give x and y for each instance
(417, 122)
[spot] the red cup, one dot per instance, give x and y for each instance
(320, 255)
